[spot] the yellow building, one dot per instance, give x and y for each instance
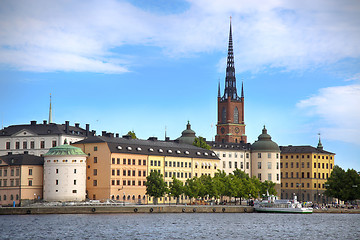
(304, 171)
(21, 178)
(117, 167)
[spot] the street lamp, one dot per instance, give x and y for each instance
(124, 199)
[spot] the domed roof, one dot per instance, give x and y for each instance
(264, 143)
(187, 136)
(65, 149)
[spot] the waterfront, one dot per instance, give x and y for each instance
(180, 226)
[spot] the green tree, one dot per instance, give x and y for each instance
(267, 187)
(155, 185)
(219, 184)
(200, 142)
(335, 183)
(176, 188)
(192, 188)
(240, 174)
(132, 134)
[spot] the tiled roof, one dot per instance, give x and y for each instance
(151, 147)
(22, 159)
(302, 149)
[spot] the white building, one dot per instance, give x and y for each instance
(265, 158)
(37, 139)
(65, 174)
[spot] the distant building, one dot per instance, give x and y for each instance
(304, 171)
(37, 139)
(65, 174)
(21, 178)
(265, 158)
(230, 125)
(117, 167)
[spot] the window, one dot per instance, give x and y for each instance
(17, 172)
(269, 176)
(95, 172)
(269, 165)
(30, 171)
(223, 115)
(32, 144)
(113, 161)
(277, 177)
(12, 172)
(133, 162)
(308, 175)
(133, 173)
(236, 165)
(318, 165)
(302, 175)
(144, 162)
(139, 162)
(5, 172)
(277, 165)
(166, 174)
(95, 149)
(95, 183)
(56, 170)
(292, 175)
(286, 165)
(314, 174)
(74, 191)
(151, 163)
(241, 165)
(124, 183)
(259, 165)
(302, 164)
(74, 182)
(286, 175)
(259, 155)
(269, 155)
(224, 164)
(124, 160)
(308, 165)
(139, 173)
(259, 176)
(291, 184)
(118, 172)
(113, 182)
(247, 165)
(75, 170)
(292, 165)
(139, 183)
(24, 145)
(129, 161)
(247, 155)
(236, 115)
(297, 165)
(54, 143)
(17, 145)
(117, 182)
(297, 175)
(229, 164)
(286, 184)
(7, 145)
(186, 164)
(113, 172)
(144, 173)
(129, 173)
(42, 144)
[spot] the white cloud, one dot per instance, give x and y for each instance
(338, 109)
(274, 33)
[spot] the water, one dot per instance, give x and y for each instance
(181, 226)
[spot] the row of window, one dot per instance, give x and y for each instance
(319, 185)
(316, 175)
(316, 165)
(235, 155)
(236, 165)
(268, 155)
(269, 177)
(13, 183)
(177, 164)
(269, 165)
(25, 144)
(307, 156)
(13, 172)
(124, 183)
(129, 173)
(125, 162)
(57, 171)
(178, 174)
(57, 182)
(11, 197)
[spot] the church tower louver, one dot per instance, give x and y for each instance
(230, 125)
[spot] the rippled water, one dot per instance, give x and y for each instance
(181, 226)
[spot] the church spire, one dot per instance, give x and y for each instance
(230, 80)
(219, 89)
(320, 146)
(242, 89)
(50, 111)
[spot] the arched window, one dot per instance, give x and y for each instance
(236, 115)
(223, 115)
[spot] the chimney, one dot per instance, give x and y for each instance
(77, 125)
(103, 133)
(67, 127)
(93, 132)
(87, 129)
(110, 135)
(126, 136)
(33, 122)
(44, 122)
(167, 139)
(152, 138)
(117, 135)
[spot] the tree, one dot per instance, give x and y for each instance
(132, 134)
(240, 174)
(155, 185)
(192, 188)
(200, 142)
(267, 187)
(176, 188)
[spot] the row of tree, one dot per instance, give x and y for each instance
(237, 185)
(343, 185)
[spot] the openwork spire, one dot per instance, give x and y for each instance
(230, 80)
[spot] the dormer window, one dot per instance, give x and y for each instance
(139, 148)
(151, 150)
(119, 147)
(213, 154)
(129, 148)
(178, 152)
(198, 153)
(169, 151)
(187, 152)
(206, 154)
(160, 150)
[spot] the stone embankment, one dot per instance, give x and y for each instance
(125, 209)
(336, 210)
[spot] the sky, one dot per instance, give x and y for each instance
(151, 65)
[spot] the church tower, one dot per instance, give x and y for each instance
(230, 125)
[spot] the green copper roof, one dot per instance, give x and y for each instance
(64, 150)
(264, 143)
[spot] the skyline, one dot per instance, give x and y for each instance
(150, 65)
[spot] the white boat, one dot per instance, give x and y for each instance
(273, 205)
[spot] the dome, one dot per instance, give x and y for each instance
(264, 143)
(188, 135)
(65, 149)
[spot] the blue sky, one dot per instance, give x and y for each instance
(145, 65)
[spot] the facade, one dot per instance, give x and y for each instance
(233, 156)
(65, 174)
(117, 167)
(37, 139)
(230, 125)
(304, 171)
(21, 178)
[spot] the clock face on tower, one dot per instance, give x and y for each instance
(222, 130)
(237, 130)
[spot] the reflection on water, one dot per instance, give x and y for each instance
(181, 226)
